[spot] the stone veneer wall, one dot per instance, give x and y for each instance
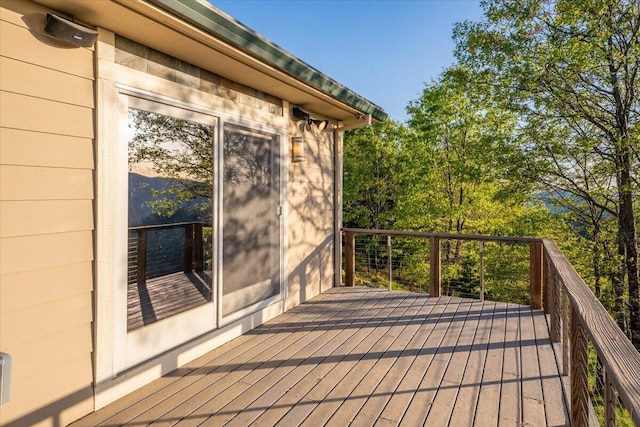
(141, 58)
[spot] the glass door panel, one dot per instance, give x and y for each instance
(170, 296)
(251, 220)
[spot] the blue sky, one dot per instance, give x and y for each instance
(383, 50)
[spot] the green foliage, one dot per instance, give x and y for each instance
(457, 155)
(450, 169)
(371, 175)
(570, 70)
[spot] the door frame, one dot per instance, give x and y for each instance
(144, 343)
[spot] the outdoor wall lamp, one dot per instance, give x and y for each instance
(297, 149)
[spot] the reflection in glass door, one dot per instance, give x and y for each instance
(170, 296)
(251, 220)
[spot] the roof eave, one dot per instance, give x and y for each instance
(210, 19)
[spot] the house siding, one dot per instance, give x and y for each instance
(46, 220)
(311, 216)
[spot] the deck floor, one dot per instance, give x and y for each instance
(363, 357)
(166, 296)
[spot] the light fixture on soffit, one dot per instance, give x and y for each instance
(300, 114)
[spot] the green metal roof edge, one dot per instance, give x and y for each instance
(221, 25)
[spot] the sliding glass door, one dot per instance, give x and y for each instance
(200, 230)
(170, 218)
(251, 218)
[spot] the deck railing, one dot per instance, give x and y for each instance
(577, 319)
(191, 248)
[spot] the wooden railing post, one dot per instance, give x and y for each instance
(565, 332)
(579, 373)
(188, 249)
(350, 258)
(535, 274)
(389, 261)
(434, 266)
(546, 284)
(609, 400)
(198, 256)
(142, 257)
(552, 299)
(481, 270)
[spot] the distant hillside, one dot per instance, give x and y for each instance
(141, 192)
(550, 200)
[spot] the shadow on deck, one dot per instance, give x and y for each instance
(366, 357)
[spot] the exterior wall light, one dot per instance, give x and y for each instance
(300, 114)
(297, 149)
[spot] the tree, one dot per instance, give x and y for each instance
(457, 179)
(179, 151)
(371, 172)
(570, 69)
(457, 175)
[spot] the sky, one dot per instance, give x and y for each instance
(383, 50)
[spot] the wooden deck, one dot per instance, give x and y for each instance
(166, 296)
(359, 356)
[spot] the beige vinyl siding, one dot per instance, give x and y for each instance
(44, 115)
(30, 288)
(24, 218)
(26, 253)
(311, 213)
(45, 149)
(37, 47)
(34, 80)
(46, 219)
(63, 388)
(44, 183)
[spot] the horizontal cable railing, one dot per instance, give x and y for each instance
(602, 364)
(159, 250)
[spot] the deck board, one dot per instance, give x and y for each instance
(487, 409)
(467, 397)
(225, 378)
(414, 338)
(433, 331)
(448, 328)
(533, 411)
(358, 356)
(381, 333)
(551, 384)
(367, 338)
(511, 396)
(445, 399)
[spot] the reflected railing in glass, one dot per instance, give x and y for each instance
(169, 271)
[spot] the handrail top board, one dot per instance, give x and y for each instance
(445, 236)
(616, 352)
